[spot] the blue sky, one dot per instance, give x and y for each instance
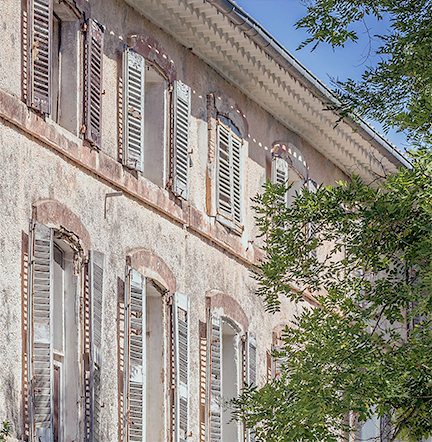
(278, 18)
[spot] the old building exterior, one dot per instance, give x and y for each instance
(133, 134)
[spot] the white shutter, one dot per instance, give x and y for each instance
(135, 357)
(224, 190)
(280, 176)
(133, 109)
(215, 378)
(236, 145)
(181, 129)
(251, 370)
(251, 358)
(41, 335)
(39, 60)
(311, 227)
(96, 326)
(181, 365)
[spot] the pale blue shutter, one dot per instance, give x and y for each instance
(133, 109)
(135, 357)
(280, 176)
(251, 370)
(96, 277)
(41, 334)
(39, 55)
(215, 377)
(181, 325)
(251, 358)
(181, 137)
(236, 145)
(224, 189)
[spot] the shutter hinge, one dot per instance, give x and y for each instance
(170, 300)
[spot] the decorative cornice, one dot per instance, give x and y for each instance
(261, 75)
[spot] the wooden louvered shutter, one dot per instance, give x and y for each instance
(135, 357)
(39, 50)
(93, 83)
(311, 227)
(41, 344)
(215, 378)
(224, 190)
(181, 122)
(133, 106)
(280, 176)
(181, 365)
(251, 358)
(96, 326)
(251, 370)
(236, 145)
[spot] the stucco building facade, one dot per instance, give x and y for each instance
(133, 135)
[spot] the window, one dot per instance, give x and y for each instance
(144, 390)
(55, 67)
(54, 367)
(284, 174)
(229, 174)
(145, 124)
(227, 350)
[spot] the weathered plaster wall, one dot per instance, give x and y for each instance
(181, 237)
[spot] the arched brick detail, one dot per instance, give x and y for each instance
(142, 260)
(231, 308)
(152, 51)
(292, 156)
(227, 107)
(56, 215)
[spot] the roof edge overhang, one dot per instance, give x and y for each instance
(245, 54)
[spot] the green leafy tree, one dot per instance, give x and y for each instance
(5, 431)
(366, 349)
(397, 91)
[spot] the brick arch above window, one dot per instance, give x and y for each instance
(56, 215)
(292, 155)
(149, 48)
(216, 299)
(152, 266)
(227, 107)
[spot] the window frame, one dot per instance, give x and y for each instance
(223, 215)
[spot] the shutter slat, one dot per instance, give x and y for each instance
(135, 358)
(41, 347)
(96, 326)
(280, 176)
(133, 96)
(39, 61)
(181, 365)
(93, 83)
(229, 188)
(215, 336)
(181, 138)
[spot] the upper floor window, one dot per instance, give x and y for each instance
(229, 174)
(284, 174)
(57, 61)
(146, 131)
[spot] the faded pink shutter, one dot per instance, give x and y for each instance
(39, 50)
(93, 83)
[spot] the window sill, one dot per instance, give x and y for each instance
(230, 223)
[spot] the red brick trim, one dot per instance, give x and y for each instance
(231, 308)
(54, 214)
(226, 106)
(152, 51)
(147, 262)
